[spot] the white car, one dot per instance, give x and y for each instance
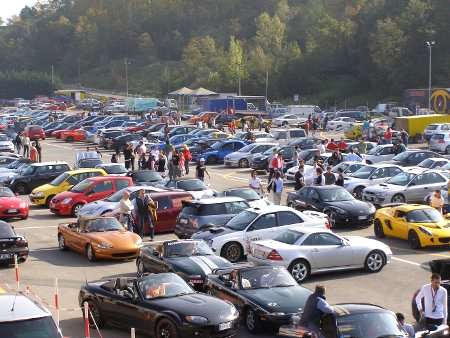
(232, 241)
(6, 144)
(305, 251)
(381, 153)
(440, 142)
(435, 163)
(194, 186)
(369, 175)
(340, 123)
(288, 120)
(435, 128)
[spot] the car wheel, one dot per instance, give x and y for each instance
(140, 267)
(447, 150)
(90, 253)
(166, 329)
(21, 189)
(76, 208)
(300, 270)
(252, 321)
(398, 198)
(47, 201)
(332, 217)
(374, 261)
(414, 240)
(212, 160)
(243, 163)
(357, 192)
(95, 314)
(61, 242)
(378, 229)
(232, 251)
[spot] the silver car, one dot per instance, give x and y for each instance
(6, 144)
(243, 157)
(381, 153)
(409, 186)
(305, 251)
(369, 175)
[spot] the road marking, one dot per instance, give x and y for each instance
(59, 146)
(405, 261)
(39, 227)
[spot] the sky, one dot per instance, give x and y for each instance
(8, 8)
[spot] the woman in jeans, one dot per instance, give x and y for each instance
(125, 208)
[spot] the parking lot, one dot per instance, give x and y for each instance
(393, 287)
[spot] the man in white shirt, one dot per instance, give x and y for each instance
(435, 300)
(255, 183)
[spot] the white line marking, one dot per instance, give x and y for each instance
(405, 261)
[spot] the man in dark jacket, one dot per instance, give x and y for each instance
(143, 214)
(315, 307)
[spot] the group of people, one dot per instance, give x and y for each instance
(29, 149)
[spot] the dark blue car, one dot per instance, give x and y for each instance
(219, 150)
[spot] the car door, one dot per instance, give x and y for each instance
(101, 189)
(40, 176)
(417, 189)
(261, 228)
(397, 226)
(379, 176)
(286, 219)
(166, 220)
(327, 251)
(154, 264)
(386, 154)
(300, 201)
(434, 181)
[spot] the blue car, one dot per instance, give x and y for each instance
(219, 150)
(177, 140)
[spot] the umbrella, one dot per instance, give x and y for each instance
(182, 91)
(202, 92)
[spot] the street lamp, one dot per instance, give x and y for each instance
(126, 62)
(430, 45)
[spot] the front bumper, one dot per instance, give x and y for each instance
(14, 213)
(376, 199)
(231, 163)
(193, 331)
(116, 254)
(38, 200)
(438, 147)
(61, 209)
(353, 220)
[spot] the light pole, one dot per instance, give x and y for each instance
(125, 61)
(239, 79)
(53, 76)
(430, 45)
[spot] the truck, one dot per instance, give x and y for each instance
(415, 125)
(217, 105)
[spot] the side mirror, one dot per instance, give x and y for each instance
(156, 253)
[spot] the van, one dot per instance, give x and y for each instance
(303, 110)
(399, 112)
(284, 136)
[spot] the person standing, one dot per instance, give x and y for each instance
(33, 153)
(187, 158)
(26, 142)
(340, 177)
(125, 208)
(362, 146)
(437, 201)
(39, 150)
(330, 178)
(200, 170)
(127, 153)
(315, 307)
(142, 214)
(114, 158)
(434, 297)
(18, 142)
(255, 183)
(319, 179)
(276, 185)
(322, 147)
(352, 157)
(388, 136)
(174, 166)
(299, 177)
(161, 164)
(405, 137)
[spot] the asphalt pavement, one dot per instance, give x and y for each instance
(392, 288)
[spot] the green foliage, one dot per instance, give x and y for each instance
(24, 84)
(327, 50)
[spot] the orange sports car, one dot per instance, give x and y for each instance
(73, 135)
(99, 237)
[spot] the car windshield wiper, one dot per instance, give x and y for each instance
(391, 336)
(282, 285)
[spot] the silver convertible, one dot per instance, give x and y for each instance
(306, 251)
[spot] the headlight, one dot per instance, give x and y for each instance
(196, 320)
(277, 313)
(23, 205)
(379, 194)
(66, 200)
(234, 311)
(104, 245)
(139, 243)
(38, 194)
(372, 209)
(425, 231)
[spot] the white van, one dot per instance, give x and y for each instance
(303, 110)
(284, 136)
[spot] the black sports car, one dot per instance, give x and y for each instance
(12, 245)
(341, 207)
(146, 177)
(263, 294)
(162, 305)
(192, 260)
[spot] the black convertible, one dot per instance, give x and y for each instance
(191, 259)
(161, 305)
(262, 294)
(12, 245)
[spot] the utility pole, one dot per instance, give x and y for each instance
(239, 79)
(53, 77)
(267, 88)
(126, 75)
(430, 45)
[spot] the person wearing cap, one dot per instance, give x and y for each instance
(200, 170)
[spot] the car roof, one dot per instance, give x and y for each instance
(384, 165)
(357, 308)
(419, 170)
(271, 208)
(108, 177)
(48, 163)
(85, 170)
(216, 200)
(24, 308)
(308, 230)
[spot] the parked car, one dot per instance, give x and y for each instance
(243, 157)
(197, 188)
(43, 194)
(340, 123)
(208, 211)
(113, 168)
(232, 240)
(192, 260)
(68, 203)
(6, 144)
(409, 186)
(340, 206)
(284, 136)
(35, 175)
(434, 163)
(77, 135)
(34, 132)
(440, 142)
(289, 120)
(123, 298)
(411, 158)
(12, 245)
(219, 150)
(99, 238)
(146, 177)
(381, 153)
(348, 167)
(248, 194)
(435, 128)
(6, 160)
(307, 251)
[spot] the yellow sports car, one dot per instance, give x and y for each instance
(420, 225)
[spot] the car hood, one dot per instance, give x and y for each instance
(211, 232)
(202, 193)
(353, 180)
(97, 208)
(237, 155)
(67, 194)
(353, 207)
(47, 188)
(385, 187)
(120, 239)
(281, 299)
(10, 202)
(367, 243)
(6, 143)
(4, 176)
(198, 265)
(259, 204)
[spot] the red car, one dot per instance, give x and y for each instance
(34, 132)
(12, 206)
(139, 127)
(73, 135)
(91, 189)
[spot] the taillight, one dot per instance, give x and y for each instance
(193, 222)
(21, 243)
(274, 256)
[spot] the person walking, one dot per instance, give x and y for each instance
(330, 178)
(26, 142)
(161, 163)
(18, 142)
(127, 154)
(33, 153)
(125, 207)
(38, 147)
(315, 307)
(255, 183)
(276, 186)
(142, 214)
(434, 296)
(174, 166)
(187, 158)
(200, 170)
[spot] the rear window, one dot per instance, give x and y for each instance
(190, 210)
(298, 133)
(432, 127)
(36, 328)
(438, 136)
(212, 209)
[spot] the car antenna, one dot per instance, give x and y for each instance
(14, 302)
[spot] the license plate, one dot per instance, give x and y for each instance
(5, 256)
(362, 217)
(225, 326)
(183, 221)
(11, 211)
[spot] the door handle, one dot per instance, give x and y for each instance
(315, 250)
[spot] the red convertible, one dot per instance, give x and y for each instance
(73, 135)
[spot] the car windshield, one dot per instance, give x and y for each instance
(186, 249)
(217, 145)
(27, 170)
(6, 192)
(4, 138)
(89, 163)
(375, 150)
(82, 186)
(116, 196)
(147, 176)
(6, 231)
(241, 220)
(163, 286)
(369, 325)
(363, 172)
(402, 156)
(247, 148)
(401, 179)
(289, 236)
(14, 164)
(335, 195)
(61, 178)
(246, 194)
(103, 224)
(37, 328)
(266, 277)
(427, 163)
(192, 185)
(428, 215)
(115, 169)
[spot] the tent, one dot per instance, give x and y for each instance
(202, 92)
(181, 91)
